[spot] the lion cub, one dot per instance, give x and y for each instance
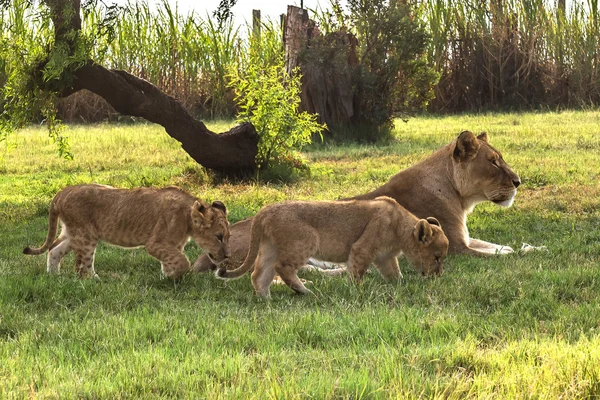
(285, 235)
(162, 220)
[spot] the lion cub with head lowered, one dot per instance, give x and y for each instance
(285, 235)
(162, 220)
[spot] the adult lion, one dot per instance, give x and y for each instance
(446, 185)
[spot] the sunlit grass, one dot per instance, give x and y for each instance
(519, 326)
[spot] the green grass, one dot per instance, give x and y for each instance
(519, 326)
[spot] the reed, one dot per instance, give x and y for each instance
(513, 54)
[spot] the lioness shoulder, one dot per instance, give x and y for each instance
(359, 232)
(162, 220)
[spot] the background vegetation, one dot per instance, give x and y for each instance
(490, 54)
(520, 326)
(371, 62)
(516, 54)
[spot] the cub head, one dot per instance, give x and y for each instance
(210, 230)
(430, 246)
(480, 172)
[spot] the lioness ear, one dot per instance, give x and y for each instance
(423, 232)
(433, 221)
(483, 136)
(466, 147)
(219, 206)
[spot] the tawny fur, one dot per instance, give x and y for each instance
(285, 235)
(162, 220)
(450, 183)
(446, 185)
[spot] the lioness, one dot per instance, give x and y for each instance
(450, 183)
(446, 185)
(162, 220)
(285, 235)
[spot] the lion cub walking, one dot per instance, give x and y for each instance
(285, 235)
(162, 220)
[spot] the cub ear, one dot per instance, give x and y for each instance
(433, 221)
(483, 136)
(423, 232)
(466, 147)
(199, 213)
(219, 206)
(199, 207)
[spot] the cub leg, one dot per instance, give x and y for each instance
(263, 273)
(85, 251)
(363, 252)
(294, 252)
(173, 262)
(361, 255)
(56, 255)
(388, 267)
(289, 274)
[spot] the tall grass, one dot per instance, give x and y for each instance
(513, 54)
(188, 56)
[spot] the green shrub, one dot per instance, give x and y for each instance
(393, 74)
(269, 98)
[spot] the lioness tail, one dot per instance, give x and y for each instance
(52, 229)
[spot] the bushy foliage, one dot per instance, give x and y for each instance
(391, 75)
(268, 97)
(37, 67)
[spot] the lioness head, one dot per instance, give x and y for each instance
(210, 230)
(480, 173)
(430, 249)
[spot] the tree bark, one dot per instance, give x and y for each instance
(295, 36)
(231, 153)
(327, 68)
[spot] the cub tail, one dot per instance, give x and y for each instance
(52, 229)
(255, 238)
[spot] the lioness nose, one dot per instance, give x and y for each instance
(516, 182)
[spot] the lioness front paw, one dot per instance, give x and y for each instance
(504, 250)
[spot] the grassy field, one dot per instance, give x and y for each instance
(518, 326)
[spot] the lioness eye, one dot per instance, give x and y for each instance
(220, 238)
(495, 163)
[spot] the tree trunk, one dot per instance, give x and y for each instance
(328, 79)
(327, 68)
(295, 36)
(231, 153)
